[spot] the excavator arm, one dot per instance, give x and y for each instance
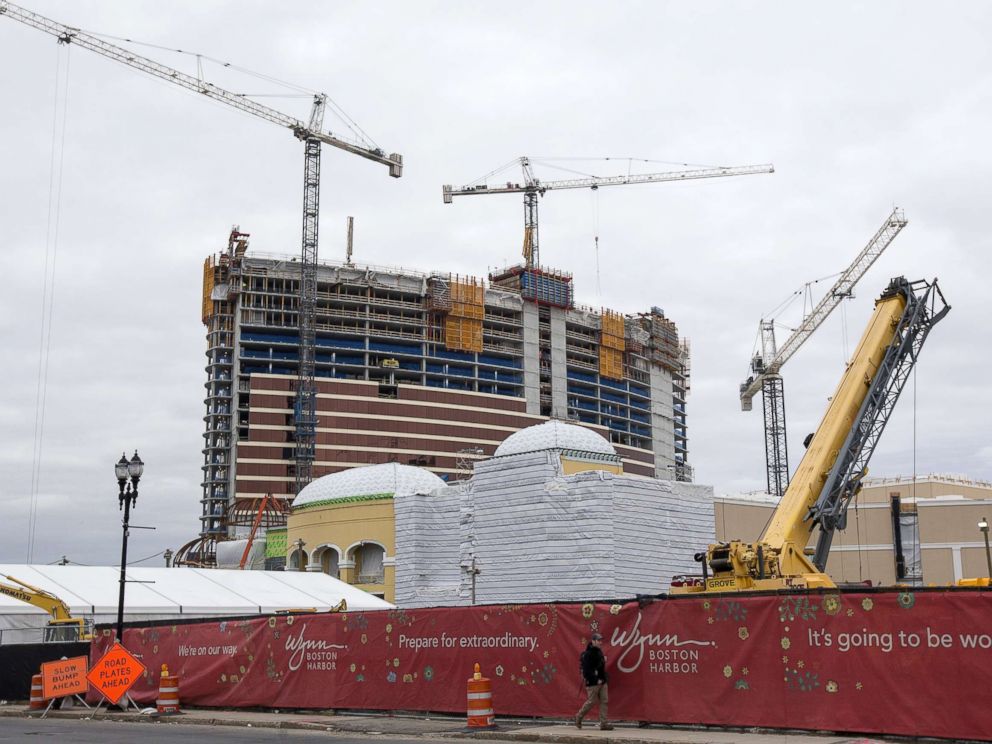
(836, 459)
(63, 625)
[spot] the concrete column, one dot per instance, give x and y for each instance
(347, 571)
(389, 581)
(559, 373)
(662, 423)
(532, 359)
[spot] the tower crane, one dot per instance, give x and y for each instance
(533, 187)
(312, 135)
(767, 364)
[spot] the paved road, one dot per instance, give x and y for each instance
(25, 731)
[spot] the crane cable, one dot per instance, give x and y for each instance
(595, 221)
(56, 163)
(361, 135)
(917, 548)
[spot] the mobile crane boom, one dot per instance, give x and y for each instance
(836, 460)
(62, 626)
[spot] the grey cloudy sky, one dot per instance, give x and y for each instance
(860, 106)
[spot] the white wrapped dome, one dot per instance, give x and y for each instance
(554, 435)
(390, 477)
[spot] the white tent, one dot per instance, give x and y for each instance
(91, 593)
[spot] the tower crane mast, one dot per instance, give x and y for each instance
(766, 365)
(312, 135)
(533, 187)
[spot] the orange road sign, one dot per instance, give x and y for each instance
(63, 678)
(115, 672)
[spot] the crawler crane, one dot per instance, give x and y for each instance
(836, 460)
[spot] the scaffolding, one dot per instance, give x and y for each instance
(665, 350)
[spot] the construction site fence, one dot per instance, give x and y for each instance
(824, 660)
(18, 661)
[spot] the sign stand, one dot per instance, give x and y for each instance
(62, 700)
(128, 701)
(64, 680)
(113, 675)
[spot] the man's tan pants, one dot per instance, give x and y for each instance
(594, 693)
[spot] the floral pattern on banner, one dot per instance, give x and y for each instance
(685, 660)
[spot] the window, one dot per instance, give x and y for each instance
(329, 562)
(294, 560)
(368, 564)
(906, 541)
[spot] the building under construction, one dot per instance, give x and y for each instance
(433, 370)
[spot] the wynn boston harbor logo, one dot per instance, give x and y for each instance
(667, 654)
(319, 655)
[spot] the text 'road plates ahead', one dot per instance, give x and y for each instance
(115, 672)
(64, 678)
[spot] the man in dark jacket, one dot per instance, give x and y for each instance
(594, 676)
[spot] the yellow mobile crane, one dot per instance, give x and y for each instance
(836, 458)
(63, 627)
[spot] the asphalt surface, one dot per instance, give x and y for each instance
(111, 726)
(23, 730)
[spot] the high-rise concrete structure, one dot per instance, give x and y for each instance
(431, 369)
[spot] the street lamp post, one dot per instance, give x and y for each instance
(128, 474)
(983, 525)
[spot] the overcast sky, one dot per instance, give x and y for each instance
(860, 106)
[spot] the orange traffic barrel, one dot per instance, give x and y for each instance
(168, 693)
(37, 698)
(480, 701)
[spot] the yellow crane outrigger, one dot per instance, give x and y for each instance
(836, 458)
(62, 627)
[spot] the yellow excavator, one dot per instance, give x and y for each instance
(836, 459)
(62, 627)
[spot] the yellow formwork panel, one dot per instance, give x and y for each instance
(612, 342)
(466, 310)
(208, 289)
(611, 363)
(612, 323)
(612, 331)
(462, 334)
(468, 291)
(468, 299)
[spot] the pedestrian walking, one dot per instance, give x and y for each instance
(593, 665)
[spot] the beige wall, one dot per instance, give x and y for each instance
(948, 513)
(343, 527)
(571, 466)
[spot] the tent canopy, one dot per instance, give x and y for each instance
(176, 593)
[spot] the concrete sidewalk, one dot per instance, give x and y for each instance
(441, 726)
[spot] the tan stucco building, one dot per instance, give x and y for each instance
(930, 523)
(346, 524)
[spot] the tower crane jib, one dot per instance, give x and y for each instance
(311, 134)
(532, 187)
